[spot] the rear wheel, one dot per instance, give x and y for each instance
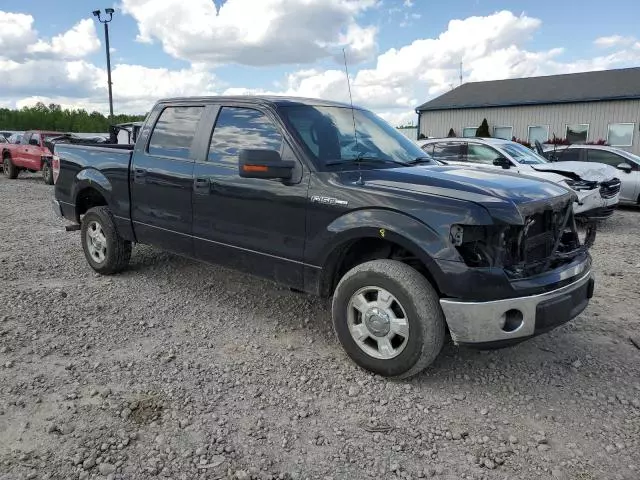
(388, 318)
(9, 169)
(103, 247)
(47, 173)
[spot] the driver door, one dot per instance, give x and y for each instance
(483, 156)
(253, 225)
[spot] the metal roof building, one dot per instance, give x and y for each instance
(581, 107)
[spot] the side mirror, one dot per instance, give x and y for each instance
(34, 141)
(255, 163)
(625, 167)
(502, 162)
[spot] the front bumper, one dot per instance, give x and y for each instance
(592, 205)
(515, 319)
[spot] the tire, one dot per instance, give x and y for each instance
(47, 173)
(419, 309)
(10, 170)
(108, 253)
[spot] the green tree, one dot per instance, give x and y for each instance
(483, 130)
(54, 117)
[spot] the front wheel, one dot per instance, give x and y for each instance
(9, 169)
(388, 318)
(105, 250)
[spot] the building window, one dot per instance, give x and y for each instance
(578, 133)
(503, 132)
(620, 134)
(469, 131)
(539, 133)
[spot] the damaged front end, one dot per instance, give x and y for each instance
(547, 239)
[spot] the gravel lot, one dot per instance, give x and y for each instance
(180, 370)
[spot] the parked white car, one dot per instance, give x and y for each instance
(627, 164)
(596, 185)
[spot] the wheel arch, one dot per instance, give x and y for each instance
(395, 235)
(91, 189)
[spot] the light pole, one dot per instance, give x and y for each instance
(105, 22)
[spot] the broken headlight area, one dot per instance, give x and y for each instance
(582, 185)
(546, 241)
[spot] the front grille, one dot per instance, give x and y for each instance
(610, 188)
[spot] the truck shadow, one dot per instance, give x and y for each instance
(302, 318)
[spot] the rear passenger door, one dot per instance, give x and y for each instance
(161, 178)
(250, 224)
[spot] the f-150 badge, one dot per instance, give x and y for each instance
(328, 200)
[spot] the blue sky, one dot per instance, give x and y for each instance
(401, 52)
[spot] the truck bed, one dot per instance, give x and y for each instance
(105, 168)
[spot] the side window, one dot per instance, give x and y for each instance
(447, 151)
(25, 139)
(239, 128)
(565, 155)
(428, 148)
(481, 154)
(173, 134)
(603, 156)
(35, 139)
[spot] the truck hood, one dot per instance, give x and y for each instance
(591, 172)
(508, 197)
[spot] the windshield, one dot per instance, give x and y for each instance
(522, 154)
(328, 134)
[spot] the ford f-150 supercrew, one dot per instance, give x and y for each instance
(331, 200)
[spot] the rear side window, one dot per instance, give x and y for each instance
(239, 128)
(35, 139)
(566, 155)
(447, 151)
(174, 132)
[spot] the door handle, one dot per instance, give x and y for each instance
(202, 185)
(139, 175)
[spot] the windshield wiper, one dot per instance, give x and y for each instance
(420, 160)
(364, 159)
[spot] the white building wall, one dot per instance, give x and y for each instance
(597, 114)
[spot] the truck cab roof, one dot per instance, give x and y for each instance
(272, 100)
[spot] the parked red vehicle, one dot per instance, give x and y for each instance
(30, 154)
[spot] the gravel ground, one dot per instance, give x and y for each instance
(180, 370)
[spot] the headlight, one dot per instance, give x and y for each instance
(581, 185)
(479, 245)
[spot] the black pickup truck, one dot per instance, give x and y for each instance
(331, 200)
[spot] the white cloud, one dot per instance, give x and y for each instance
(490, 47)
(19, 40)
(16, 34)
(77, 42)
(613, 41)
(399, 79)
(268, 32)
